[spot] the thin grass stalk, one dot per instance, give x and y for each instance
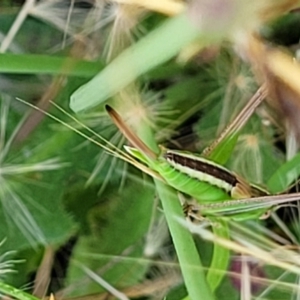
(188, 256)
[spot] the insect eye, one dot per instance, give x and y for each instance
(265, 215)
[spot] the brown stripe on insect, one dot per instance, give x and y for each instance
(239, 188)
(201, 166)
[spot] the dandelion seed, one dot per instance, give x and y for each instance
(251, 168)
(56, 12)
(156, 236)
(126, 18)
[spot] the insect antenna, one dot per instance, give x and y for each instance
(104, 144)
(127, 132)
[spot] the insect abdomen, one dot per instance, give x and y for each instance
(201, 169)
(184, 180)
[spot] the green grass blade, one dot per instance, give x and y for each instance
(285, 175)
(14, 292)
(221, 149)
(157, 47)
(188, 256)
(221, 256)
(45, 64)
(222, 152)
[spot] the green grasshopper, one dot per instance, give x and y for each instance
(191, 174)
(203, 180)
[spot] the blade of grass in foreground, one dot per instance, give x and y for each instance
(14, 292)
(157, 47)
(188, 256)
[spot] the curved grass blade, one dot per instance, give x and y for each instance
(221, 256)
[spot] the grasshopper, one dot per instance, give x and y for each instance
(191, 174)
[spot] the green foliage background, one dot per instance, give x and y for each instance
(108, 209)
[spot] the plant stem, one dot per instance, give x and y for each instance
(188, 256)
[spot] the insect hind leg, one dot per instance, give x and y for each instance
(191, 210)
